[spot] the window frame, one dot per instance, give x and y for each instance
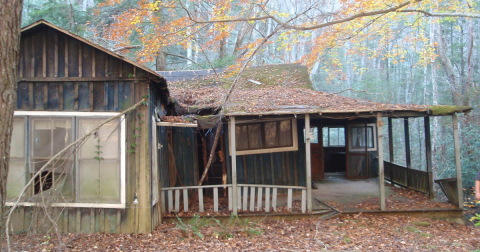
(328, 135)
(74, 116)
(374, 134)
(264, 150)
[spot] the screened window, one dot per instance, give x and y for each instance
(362, 137)
(99, 162)
(333, 136)
(313, 135)
(264, 137)
(90, 173)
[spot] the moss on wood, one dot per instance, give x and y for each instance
(448, 109)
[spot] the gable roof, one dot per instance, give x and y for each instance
(283, 89)
(43, 22)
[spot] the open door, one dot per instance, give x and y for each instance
(316, 148)
(361, 140)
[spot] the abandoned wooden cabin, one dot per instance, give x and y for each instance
(151, 159)
(263, 149)
(67, 86)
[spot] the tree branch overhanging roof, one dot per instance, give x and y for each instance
(282, 90)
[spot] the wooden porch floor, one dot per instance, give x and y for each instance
(363, 196)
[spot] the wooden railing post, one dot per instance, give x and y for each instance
(407, 147)
(428, 152)
(233, 150)
(308, 163)
(381, 174)
(457, 161)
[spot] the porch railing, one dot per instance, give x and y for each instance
(409, 178)
(249, 197)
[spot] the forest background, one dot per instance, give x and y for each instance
(420, 52)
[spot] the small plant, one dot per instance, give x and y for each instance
(476, 219)
(98, 152)
(193, 226)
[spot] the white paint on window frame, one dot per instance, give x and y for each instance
(122, 204)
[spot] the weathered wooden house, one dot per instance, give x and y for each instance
(263, 147)
(277, 135)
(67, 86)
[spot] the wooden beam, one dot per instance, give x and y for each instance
(457, 161)
(407, 143)
(390, 140)
(428, 152)
(381, 174)
(193, 125)
(308, 164)
(63, 79)
(233, 150)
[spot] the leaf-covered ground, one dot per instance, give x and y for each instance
(360, 232)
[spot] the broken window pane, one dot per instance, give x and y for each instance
(241, 137)
(285, 136)
(271, 139)
(254, 136)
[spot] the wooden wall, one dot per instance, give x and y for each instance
(58, 72)
(279, 168)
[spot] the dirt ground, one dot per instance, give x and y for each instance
(361, 232)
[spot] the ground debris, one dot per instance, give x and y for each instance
(355, 232)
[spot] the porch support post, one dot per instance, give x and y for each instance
(381, 174)
(457, 161)
(408, 160)
(233, 150)
(428, 152)
(390, 140)
(308, 163)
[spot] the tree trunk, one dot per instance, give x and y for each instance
(447, 65)
(161, 61)
(11, 12)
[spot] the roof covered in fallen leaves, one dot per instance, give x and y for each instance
(279, 89)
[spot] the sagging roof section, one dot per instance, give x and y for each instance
(280, 89)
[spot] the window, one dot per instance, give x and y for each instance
(313, 135)
(362, 137)
(333, 136)
(93, 174)
(265, 137)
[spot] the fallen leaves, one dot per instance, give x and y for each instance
(351, 232)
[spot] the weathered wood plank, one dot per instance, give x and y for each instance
(78, 221)
(44, 54)
(83, 96)
(239, 198)
(308, 164)
(215, 199)
(289, 200)
(45, 96)
(162, 197)
(55, 54)
(458, 164)
(200, 200)
(259, 198)
(53, 102)
(38, 96)
(230, 198)
(236, 191)
(177, 201)
(185, 200)
(304, 201)
(245, 198)
(170, 201)
(90, 96)
(98, 96)
(252, 198)
(73, 58)
(119, 220)
(102, 220)
(267, 199)
(80, 61)
(274, 199)
(65, 220)
(381, 174)
(92, 220)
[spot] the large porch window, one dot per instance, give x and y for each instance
(266, 137)
(92, 173)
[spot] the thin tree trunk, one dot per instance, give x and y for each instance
(161, 61)
(11, 13)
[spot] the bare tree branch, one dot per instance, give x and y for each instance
(127, 48)
(180, 56)
(436, 14)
